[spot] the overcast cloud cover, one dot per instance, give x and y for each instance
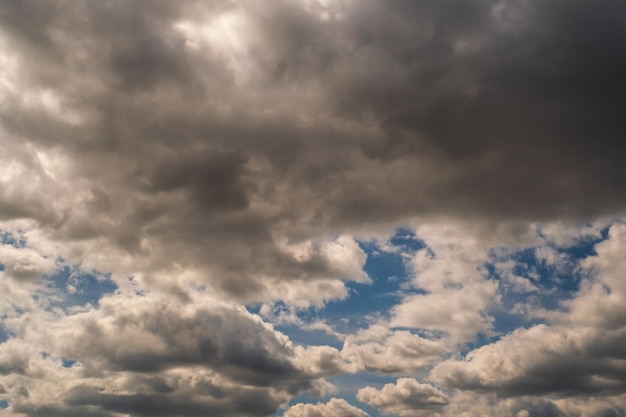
(312, 208)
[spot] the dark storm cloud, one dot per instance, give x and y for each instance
(216, 137)
(213, 180)
(522, 99)
(500, 96)
(510, 95)
(467, 102)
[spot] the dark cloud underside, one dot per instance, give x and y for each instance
(235, 148)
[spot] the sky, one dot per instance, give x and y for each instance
(312, 208)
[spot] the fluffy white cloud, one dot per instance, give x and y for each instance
(378, 348)
(335, 407)
(22, 270)
(563, 234)
(470, 404)
(407, 397)
(148, 354)
(457, 291)
(601, 301)
(24, 264)
(541, 360)
(578, 353)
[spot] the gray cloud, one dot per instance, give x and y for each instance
(151, 336)
(149, 356)
(247, 402)
(58, 411)
(24, 265)
(386, 111)
(237, 147)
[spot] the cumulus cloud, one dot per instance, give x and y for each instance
(213, 157)
(469, 404)
(539, 361)
(407, 397)
(150, 335)
(456, 292)
(600, 301)
(577, 354)
(380, 349)
(334, 407)
(239, 159)
(24, 264)
(147, 355)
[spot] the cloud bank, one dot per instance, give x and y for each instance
(312, 208)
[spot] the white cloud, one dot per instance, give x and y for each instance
(601, 299)
(407, 397)
(378, 348)
(457, 291)
(471, 404)
(512, 280)
(577, 353)
(335, 407)
(132, 353)
(563, 234)
(25, 264)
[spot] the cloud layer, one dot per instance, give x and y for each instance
(189, 191)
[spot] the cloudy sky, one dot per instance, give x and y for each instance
(312, 208)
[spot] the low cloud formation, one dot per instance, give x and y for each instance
(335, 407)
(540, 361)
(193, 142)
(456, 290)
(380, 349)
(188, 189)
(579, 353)
(147, 355)
(407, 397)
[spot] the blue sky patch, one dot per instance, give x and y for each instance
(388, 271)
(70, 287)
(9, 238)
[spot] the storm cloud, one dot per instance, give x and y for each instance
(221, 164)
